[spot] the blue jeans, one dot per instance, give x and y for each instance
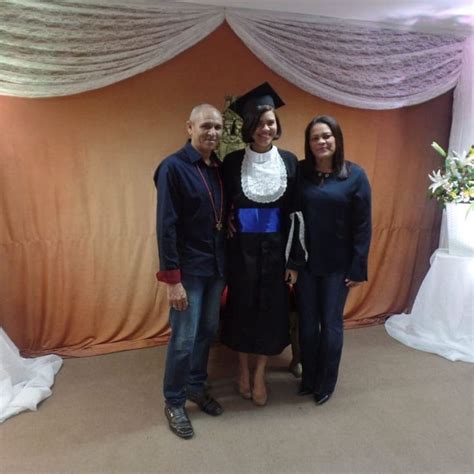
(321, 301)
(192, 332)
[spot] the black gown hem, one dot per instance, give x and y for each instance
(254, 350)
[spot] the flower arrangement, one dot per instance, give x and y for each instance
(455, 183)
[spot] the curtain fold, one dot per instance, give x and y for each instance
(58, 48)
(356, 65)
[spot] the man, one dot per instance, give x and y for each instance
(191, 250)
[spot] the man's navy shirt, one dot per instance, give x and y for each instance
(186, 225)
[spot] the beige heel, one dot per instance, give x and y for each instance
(260, 399)
(244, 392)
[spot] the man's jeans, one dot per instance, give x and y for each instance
(192, 332)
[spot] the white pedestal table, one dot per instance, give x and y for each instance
(442, 318)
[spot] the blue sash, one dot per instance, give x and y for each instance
(261, 220)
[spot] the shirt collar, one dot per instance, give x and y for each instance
(194, 156)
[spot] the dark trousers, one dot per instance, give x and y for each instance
(321, 301)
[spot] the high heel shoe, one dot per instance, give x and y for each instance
(260, 399)
(244, 391)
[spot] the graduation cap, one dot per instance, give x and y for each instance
(264, 94)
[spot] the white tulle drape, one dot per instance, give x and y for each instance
(463, 107)
(352, 64)
(62, 47)
(23, 382)
(462, 127)
(54, 48)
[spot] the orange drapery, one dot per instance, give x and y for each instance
(77, 202)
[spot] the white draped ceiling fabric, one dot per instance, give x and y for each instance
(358, 66)
(54, 48)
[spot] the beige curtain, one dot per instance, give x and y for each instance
(77, 202)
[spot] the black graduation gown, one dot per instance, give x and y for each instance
(257, 309)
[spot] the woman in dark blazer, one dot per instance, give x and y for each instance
(336, 206)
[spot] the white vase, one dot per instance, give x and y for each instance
(460, 229)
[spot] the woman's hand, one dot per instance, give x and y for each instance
(291, 276)
(351, 283)
(231, 229)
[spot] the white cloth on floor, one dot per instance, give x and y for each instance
(23, 382)
(442, 318)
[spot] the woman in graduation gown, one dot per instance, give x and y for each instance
(267, 247)
(336, 204)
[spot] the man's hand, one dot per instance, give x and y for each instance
(291, 276)
(177, 297)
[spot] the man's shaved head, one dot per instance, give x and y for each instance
(200, 109)
(205, 129)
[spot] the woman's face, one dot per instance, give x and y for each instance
(265, 132)
(322, 142)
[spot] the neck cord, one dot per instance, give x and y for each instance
(218, 217)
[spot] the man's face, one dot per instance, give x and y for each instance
(205, 130)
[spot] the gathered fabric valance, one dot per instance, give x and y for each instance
(352, 64)
(54, 48)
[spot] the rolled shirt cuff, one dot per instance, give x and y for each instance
(169, 276)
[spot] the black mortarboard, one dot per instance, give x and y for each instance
(264, 94)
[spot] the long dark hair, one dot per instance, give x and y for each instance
(339, 165)
(251, 123)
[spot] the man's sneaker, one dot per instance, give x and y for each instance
(179, 422)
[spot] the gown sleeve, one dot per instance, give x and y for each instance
(361, 230)
(296, 253)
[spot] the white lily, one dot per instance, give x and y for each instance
(437, 179)
(455, 181)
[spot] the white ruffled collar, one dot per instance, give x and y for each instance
(263, 175)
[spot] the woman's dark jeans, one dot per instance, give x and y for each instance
(321, 301)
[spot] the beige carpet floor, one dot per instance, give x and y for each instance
(395, 410)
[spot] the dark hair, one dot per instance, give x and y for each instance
(251, 123)
(338, 163)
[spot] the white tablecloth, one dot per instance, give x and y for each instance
(23, 382)
(442, 318)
